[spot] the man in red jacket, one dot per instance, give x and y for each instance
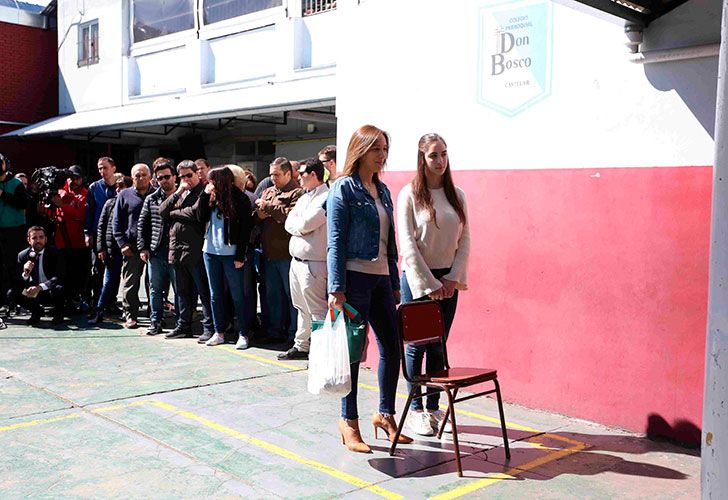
(70, 221)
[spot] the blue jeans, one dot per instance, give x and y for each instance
(282, 316)
(112, 280)
(221, 271)
(159, 269)
(435, 356)
(249, 293)
(372, 296)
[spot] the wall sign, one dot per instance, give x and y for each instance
(514, 57)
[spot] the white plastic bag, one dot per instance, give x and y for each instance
(329, 371)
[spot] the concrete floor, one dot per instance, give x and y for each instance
(88, 412)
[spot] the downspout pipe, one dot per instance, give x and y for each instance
(679, 54)
(714, 446)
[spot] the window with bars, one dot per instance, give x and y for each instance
(215, 11)
(311, 7)
(88, 43)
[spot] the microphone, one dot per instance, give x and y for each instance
(32, 256)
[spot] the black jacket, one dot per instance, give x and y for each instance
(237, 232)
(152, 230)
(105, 241)
(186, 232)
(53, 268)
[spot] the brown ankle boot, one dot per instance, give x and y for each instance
(351, 437)
(389, 426)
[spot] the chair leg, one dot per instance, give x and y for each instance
(451, 412)
(401, 421)
(502, 419)
(447, 415)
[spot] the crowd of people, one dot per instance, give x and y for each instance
(305, 239)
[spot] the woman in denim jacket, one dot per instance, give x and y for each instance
(362, 268)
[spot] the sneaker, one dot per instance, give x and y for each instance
(131, 323)
(154, 329)
(179, 333)
(419, 422)
(216, 339)
(204, 337)
(436, 418)
(242, 342)
(293, 353)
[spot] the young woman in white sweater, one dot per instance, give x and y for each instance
(434, 240)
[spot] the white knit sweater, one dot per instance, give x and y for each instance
(426, 246)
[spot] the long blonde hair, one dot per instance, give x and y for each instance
(361, 141)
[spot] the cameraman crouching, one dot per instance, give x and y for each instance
(40, 281)
(70, 219)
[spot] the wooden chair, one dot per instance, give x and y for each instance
(422, 323)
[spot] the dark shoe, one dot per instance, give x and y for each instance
(96, 319)
(293, 353)
(204, 337)
(179, 333)
(57, 319)
(33, 320)
(154, 329)
(91, 314)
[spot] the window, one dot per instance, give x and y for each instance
(311, 7)
(88, 43)
(215, 11)
(154, 18)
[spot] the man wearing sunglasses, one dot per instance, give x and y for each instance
(186, 236)
(153, 242)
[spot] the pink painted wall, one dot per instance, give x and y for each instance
(588, 291)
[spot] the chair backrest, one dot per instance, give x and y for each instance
(421, 322)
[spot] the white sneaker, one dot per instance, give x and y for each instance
(216, 339)
(420, 423)
(242, 342)
(436, 418)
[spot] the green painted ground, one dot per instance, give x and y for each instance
(107, 413)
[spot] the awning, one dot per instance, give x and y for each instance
(637, 11)
(272, 98)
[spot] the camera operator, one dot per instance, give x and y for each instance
(70, 203)
(12, 222)
(39, 277)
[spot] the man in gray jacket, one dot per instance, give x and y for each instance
(153, 243)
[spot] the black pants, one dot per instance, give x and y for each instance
(191, 280)
(53, 297)
(78, 265)
(12, 241)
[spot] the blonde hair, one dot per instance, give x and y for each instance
(361, 141)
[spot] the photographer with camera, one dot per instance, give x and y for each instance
(12, 223)
(70, 217)
(39, 278)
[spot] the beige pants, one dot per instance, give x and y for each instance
(308, 294)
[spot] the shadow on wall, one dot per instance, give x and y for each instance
(695, 81)
(683, 433)
(65, 103)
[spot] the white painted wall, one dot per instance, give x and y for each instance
(257, 50)
(98, 85)
(422, 76)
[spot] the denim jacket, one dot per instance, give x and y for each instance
(353, 229)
